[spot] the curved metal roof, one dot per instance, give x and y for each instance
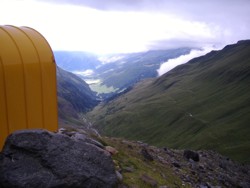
(27, 81)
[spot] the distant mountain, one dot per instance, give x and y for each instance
(203, 104)
(111, 74)
(74, 95)
(76, 61)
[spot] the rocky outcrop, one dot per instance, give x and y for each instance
(176, 168)
(80, 158)
(38, 158)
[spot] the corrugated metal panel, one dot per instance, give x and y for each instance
(27, 81)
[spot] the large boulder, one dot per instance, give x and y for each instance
(38, 158)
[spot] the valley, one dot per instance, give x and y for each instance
(74, 98)
(111, 74)
(200, 109)
(203, 104)
(124, 94)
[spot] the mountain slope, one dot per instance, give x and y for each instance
(111, 74)
(74, 95)
(203, 104)
(128, 69)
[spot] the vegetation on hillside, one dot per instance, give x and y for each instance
(203, 104)
(74, 96)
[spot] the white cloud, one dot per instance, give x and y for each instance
(92, 81)
(172, 63)
(68, 26)
(109, 59)
(88, 72)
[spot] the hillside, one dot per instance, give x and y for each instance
(74, 95)
(203, 104)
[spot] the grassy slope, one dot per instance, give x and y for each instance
(74, 90)
(74, 97)
(202, 104)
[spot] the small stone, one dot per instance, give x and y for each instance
(165, 149)
(111, 150)
(69, 133)
(146, 155)
(142, 143)
(94, 142)
(119, 176)
(188, 154)
(130, 146)
(61, 130)
(148, 180)
(203, 186)
(175, 164)
(163, 175)
(78, 136)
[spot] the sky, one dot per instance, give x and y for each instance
(122, 26)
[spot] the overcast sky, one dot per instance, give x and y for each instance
(106, 26)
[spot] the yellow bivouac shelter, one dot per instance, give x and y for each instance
(28, 97)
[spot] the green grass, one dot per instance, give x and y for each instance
(131, 157)
(204, 104)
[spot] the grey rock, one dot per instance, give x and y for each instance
(188, 154)
(61, 130)
(38, 158)
(146, 154)
(177, 165)
(78, 136)
(96, 143)
(119, 176)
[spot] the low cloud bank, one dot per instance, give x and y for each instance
(88, 72)
(172, 63)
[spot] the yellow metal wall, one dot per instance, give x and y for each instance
(27, 81)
